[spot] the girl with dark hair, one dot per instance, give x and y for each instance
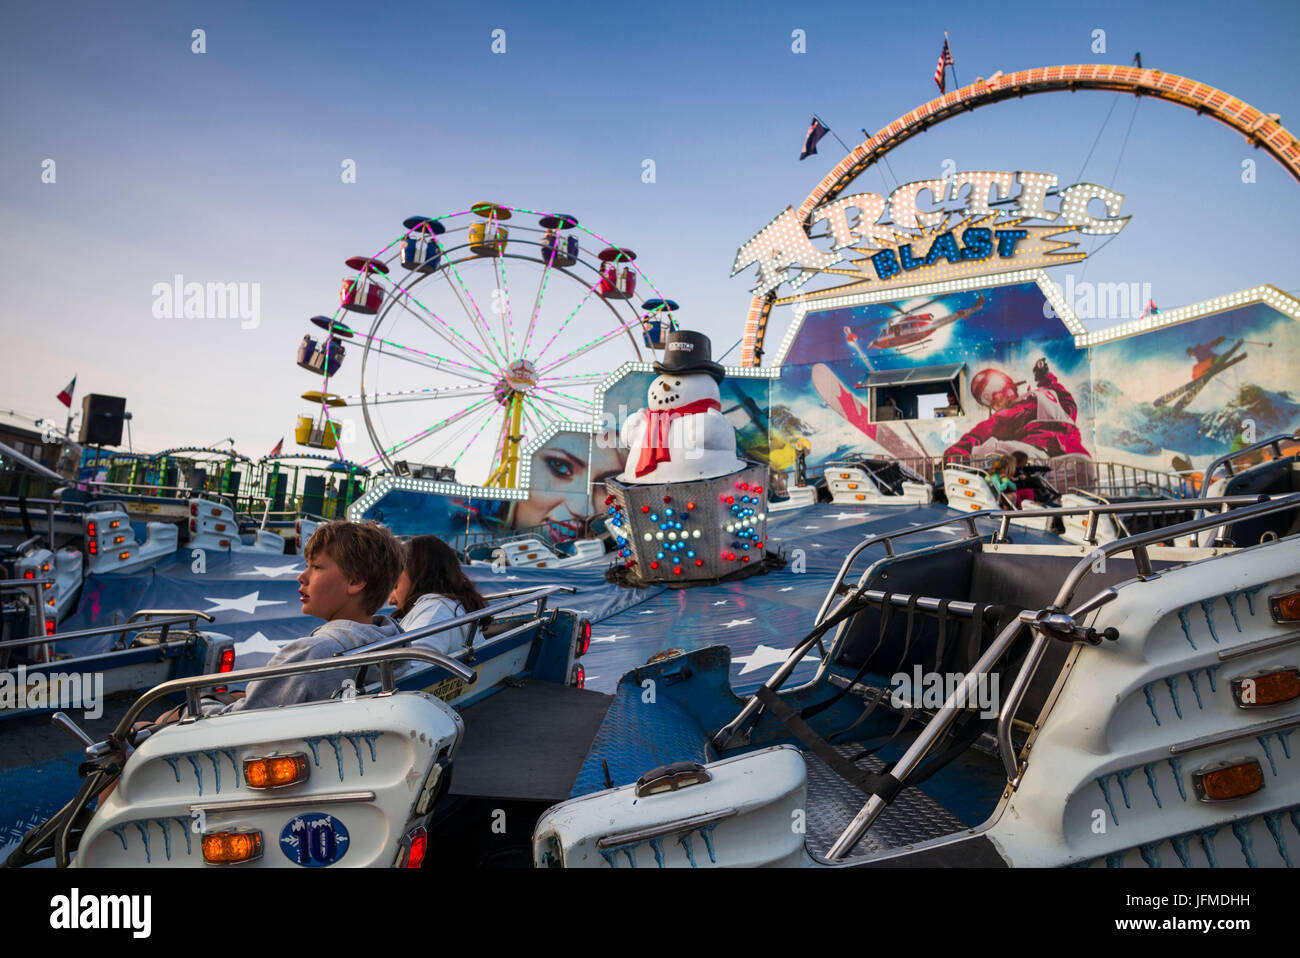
(433, 588)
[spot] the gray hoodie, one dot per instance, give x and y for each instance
(340, 635)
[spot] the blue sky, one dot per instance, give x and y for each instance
(225, 166)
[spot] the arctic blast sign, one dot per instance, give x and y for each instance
(979, 222)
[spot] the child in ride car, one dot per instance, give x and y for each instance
(433, 588)
(351, 568)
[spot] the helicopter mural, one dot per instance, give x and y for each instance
(910, 329)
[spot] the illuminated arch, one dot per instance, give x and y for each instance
(1261, 129)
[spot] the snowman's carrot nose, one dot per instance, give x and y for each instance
(666, 388)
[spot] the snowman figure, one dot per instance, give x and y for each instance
(681, 435)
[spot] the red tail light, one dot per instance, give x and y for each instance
(226, 664)
(92, 547)
(90, 528)
(29, 574)
(194, 525)
(579, 677)
(194, 508)
(414, 848)
(584, 637)
(49, 626)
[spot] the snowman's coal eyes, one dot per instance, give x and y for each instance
(677, 383)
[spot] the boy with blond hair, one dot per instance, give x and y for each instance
(351, 569)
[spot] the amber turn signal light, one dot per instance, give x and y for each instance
(1285, 608)
(1219, 783)
(275, 771)
(1266, 688)
(229, 848)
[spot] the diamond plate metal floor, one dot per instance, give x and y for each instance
(911, 817)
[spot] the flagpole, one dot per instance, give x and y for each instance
(952, 66)
(847, 148)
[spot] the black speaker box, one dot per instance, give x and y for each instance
(101, 420)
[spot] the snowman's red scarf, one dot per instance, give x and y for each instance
(654, 446)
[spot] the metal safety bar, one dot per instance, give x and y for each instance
(174, 617)
(722, 738)
(1138, 546)
(101, 754)
(192, 684)
(1108, 508)
(955, 703)
(225, 498)
(38, 601)
(47, 506)
(1225, 461)
(753, 707)
(538, 595)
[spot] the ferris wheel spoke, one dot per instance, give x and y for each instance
(534, 420)
(537, 301)
(450, 339)
(436, 427)
(543, 412)
(423, 395)
(481, 325)
(487, 418)
(582, 350)
(503, 284)
(568, 319)
(571, 398)
(578, 379)
(430, 361)
(576, 405)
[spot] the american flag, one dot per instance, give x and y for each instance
(945, 61)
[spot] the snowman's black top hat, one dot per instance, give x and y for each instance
(689, 352)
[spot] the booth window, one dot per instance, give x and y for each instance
(922, 392)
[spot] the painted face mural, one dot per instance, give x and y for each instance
(560, 472)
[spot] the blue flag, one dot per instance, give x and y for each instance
(815, 132)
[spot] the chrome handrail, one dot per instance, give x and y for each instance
(753, 706)
(192, 683)
(226, 499)
(1226, 460)
(955, 703)
(1138, 545)
(38, 601)
(1262, 505)
(538, 595)
(176, 617)
(1107, 508)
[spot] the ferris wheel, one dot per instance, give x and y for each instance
(485, 329)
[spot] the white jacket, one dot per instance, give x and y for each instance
(429, 610)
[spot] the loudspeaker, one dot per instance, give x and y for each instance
(101, 420)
